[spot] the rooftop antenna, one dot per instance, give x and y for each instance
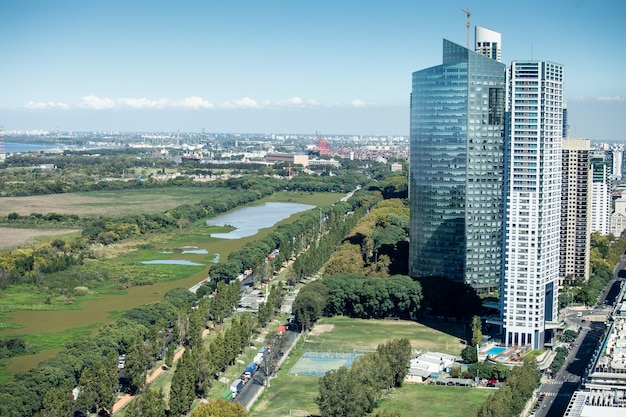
(467, 26)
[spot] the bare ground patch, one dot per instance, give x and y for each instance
(319, 329)
(98, 203)
(11, 237)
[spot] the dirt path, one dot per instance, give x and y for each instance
(123, 401)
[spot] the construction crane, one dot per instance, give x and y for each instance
(467, 26)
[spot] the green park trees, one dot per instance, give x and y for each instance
(509, 400)
(353, 392)
(149, 403)
(355, 295)
(219, 408)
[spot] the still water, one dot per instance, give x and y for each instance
(249, 220)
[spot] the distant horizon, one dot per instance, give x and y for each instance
(244, 66)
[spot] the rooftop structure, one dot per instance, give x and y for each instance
(488, 43)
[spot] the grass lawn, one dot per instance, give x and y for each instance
(347, 335)
(419, 400)
(289, 392)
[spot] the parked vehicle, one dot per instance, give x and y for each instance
(250, 369)
(236, 386)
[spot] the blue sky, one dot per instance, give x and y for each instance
(338, 67)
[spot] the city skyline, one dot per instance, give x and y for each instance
(281, 67)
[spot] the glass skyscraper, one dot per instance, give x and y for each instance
(457, 169)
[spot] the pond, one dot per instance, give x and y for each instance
(249, 220)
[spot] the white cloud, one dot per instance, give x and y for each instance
(137, 103)
(92, 102)
(46, 105)
(193, 102)
(358, 103)
(611, 99)
(96, 103)
(243, 103)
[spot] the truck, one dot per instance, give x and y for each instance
(236, 386)
(250, 368)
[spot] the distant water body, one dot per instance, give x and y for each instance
(248, 221)
(14, 147)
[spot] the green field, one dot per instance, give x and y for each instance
(420, 400)
(344, 334)
(290, 392)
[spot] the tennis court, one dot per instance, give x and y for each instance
(318, 363)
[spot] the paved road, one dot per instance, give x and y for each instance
(253, 388)
(559, 390)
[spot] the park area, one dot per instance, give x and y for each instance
(336, 341)
(30, 312)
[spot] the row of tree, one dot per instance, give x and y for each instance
(90, 364)
(313, 237)
(605, 254)
(355, 295)
(197, 369)
(378, 238)
(355, 391)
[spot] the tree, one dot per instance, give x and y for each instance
(308, 307)
(58, 402)
(397, 354)
(477, 334)
(340, 394)
(169, 355)
(182, 391)
(469, 354)
(219, 408)
(95, 389)
(151, 403)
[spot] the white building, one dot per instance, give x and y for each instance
(600, 194)
(488, 43)
(618, 218)
(617, 163)
(529, 303)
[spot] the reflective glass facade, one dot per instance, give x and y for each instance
(456, 169)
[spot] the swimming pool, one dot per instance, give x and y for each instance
(496, 350)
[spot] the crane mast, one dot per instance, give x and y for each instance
(467, 26)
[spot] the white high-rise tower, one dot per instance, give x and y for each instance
(533, 203)
(488, 43)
